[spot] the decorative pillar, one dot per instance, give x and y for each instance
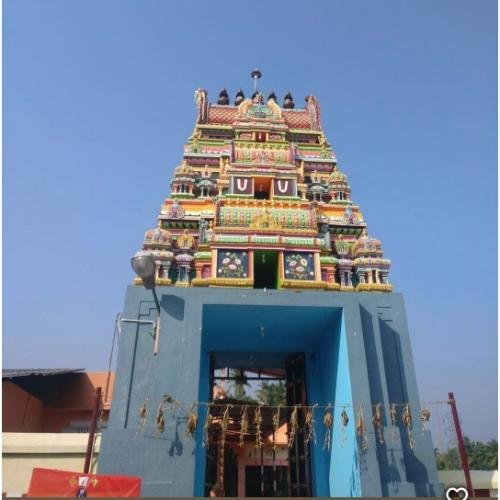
(342, 278)
(349, 278)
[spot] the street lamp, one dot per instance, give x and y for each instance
(144, 266)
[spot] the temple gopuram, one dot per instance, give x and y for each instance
(259, 201)
(255, 358)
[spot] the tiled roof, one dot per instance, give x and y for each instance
(222, 115)
(297, 119)
(27, 372)
(226, 115)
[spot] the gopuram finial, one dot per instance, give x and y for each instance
(256, 74)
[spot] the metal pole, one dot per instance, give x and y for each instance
(262, 470)
(461, 446)
(275, 488)
(93, 424)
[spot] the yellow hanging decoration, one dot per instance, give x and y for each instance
(206, 428)
(425, 416)
(328, 423)
(224, 423)
(143, 410)
(344, 417)
(243, 426)
(192, 422)
(160, 421)
(377, 422)
(394, 421)
(293, 427)
(143, 415)
(257, 420)
(309, 419)
(407, 421)
(361, 429)
(276, 425)
(345, 420)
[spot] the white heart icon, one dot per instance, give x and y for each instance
(458, 491)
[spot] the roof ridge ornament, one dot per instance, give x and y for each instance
(255, 74)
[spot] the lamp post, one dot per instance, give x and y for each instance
(144, 266)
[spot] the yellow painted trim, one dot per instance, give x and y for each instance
(231, 282)
(318, 285)
(373, 287)
(200, 282)
(163, 281)
(332, 286)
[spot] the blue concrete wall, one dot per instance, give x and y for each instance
(357, 352)
(344, 480)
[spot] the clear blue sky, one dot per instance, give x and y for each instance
(98, 102)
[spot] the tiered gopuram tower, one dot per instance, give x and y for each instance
(259, 201)
(262, 272)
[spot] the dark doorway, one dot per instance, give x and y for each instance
(298, 455)
(240, 393)
(271, 476)
(265, 269)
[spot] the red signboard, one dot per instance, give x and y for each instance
(60, 483)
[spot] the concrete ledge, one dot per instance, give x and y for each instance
(27, 442)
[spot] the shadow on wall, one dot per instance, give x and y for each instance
(174, 306)
(416, 471)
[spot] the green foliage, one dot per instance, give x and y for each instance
(272, 394)
(237, 387)
(481, 456)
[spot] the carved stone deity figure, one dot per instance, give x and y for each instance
(324, 230)
(209, 232)
(202, 231)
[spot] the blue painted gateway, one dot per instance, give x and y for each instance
(356, 355)
(262, 351)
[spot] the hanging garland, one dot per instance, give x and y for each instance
(293, 427)
(377, 423)
(394, 421)
(309, 420)
(243, 426)
(425, 416)
(160, 421)
(192, 422)
(345, 420)
(328, 423)
(276, 425)
(257, 420)
(307, 428)
(361, 429)
(206, 428)
(143, 415)
(406, 416)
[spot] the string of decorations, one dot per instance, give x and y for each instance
(222, 416)
(328, 423)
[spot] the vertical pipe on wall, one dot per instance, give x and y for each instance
(93, 424)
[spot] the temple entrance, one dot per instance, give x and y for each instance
(250, 449)
(265, 269)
